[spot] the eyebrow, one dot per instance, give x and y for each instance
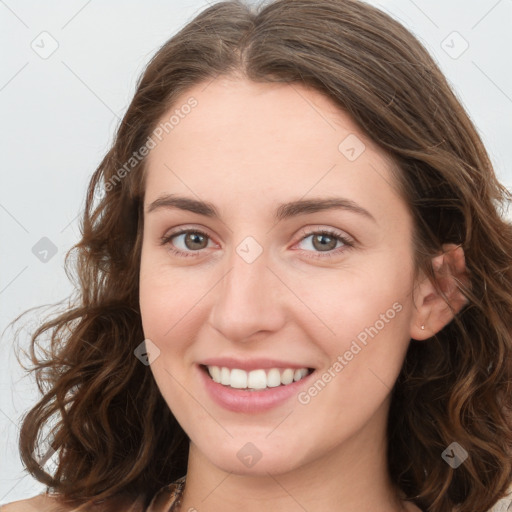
(283, 211)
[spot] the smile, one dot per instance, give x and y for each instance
(256, 380)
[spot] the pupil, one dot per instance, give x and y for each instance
(321, 240)
(195, 237)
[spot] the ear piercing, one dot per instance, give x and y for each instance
(422, 327)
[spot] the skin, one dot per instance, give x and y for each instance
(246, 148)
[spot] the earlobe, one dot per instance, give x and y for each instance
(436, 306)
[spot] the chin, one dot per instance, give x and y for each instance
(250, 461)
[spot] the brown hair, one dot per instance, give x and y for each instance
(113, 431)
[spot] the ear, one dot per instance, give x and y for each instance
(437, 306)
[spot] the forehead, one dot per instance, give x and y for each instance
(242, 139)
(231, 109)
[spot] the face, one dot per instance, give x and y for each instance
(301, 313)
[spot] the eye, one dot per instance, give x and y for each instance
(196, 238)
(323, 241)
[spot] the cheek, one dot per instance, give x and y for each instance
(165, 311)
(165, 305)
(165, 296)
(352, 300)
(172, 310)
(367, 314)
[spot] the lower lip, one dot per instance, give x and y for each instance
(241, 400)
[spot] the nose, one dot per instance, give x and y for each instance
(249, 299)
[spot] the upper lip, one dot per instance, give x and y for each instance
(250, 364)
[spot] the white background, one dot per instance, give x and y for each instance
(59, 114)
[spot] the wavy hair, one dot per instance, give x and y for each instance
(110, 426)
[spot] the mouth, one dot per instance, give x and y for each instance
(260, 379)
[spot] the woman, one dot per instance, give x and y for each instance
(295, 283)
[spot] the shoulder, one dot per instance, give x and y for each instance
(46, 503)
(41, 503)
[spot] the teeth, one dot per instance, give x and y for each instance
(238, 379)
(287, 376)
(215, 373)
(273, 378)
(256, 379)
(297, 375)
(225, 376)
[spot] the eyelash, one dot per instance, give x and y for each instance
(347, 244)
